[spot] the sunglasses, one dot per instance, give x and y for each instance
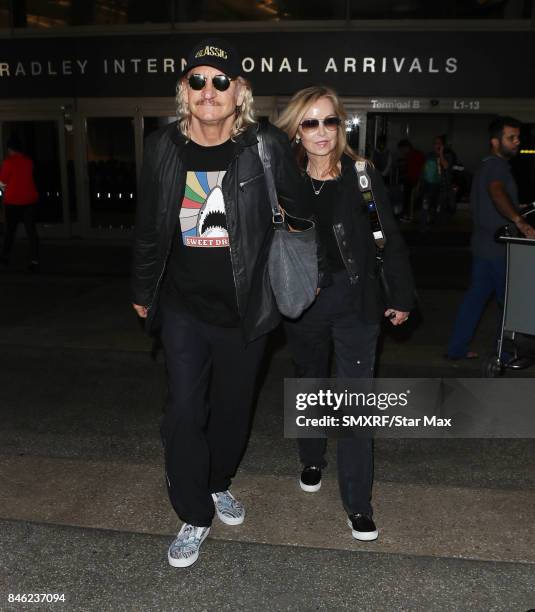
(221, 82)
(329, 123)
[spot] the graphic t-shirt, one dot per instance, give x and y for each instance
(199, 274)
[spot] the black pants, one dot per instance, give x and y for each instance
(332, 319)
(211, 376)
(21, 214)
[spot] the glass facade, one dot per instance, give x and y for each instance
(47, 14)
(111, 169)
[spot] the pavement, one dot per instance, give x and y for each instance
(83, 507)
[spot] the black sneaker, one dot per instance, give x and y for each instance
(362, 527)
(310, 479)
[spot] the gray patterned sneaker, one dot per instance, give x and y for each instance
(229, 510)
(184, 549)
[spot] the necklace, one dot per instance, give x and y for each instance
(316, 191)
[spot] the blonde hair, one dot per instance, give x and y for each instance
(292, 116)
(245, 114)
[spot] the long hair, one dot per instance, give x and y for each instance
(292, 116)
(245, 114)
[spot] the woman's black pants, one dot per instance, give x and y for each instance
(332, 320)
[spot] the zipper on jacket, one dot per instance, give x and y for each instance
(161, 274)
(234, 278)
(242, 184)
(353, 276)
(157, 285)
(235, 161)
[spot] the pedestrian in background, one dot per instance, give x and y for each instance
(436, 185)
(19, 199)
(410, 164)
(494, 202)
(382, 159)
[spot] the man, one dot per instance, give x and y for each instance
(203, 232)
(494, 199)
(20, 199)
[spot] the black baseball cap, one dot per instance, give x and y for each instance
(217, 53)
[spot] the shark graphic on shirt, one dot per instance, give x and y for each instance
(203, 220)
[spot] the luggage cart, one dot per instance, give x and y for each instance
(519, 304)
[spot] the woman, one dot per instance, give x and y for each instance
(349, 307)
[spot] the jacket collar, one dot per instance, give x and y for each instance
(248, 138)
(348, 164)
(176, 136)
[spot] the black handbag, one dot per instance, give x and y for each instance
(292, 260)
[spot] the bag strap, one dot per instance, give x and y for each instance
(365, 187)
(270, 181)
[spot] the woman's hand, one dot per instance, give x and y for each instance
(396, 317)
(140, 310)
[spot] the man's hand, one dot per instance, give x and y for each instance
(524, 228)
(140, 310)
(396, 317)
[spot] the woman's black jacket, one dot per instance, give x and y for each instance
(353, 233)
(249, 219)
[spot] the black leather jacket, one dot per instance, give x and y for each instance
(248, 212)
(353, 233)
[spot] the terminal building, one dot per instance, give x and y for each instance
(84, 82)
